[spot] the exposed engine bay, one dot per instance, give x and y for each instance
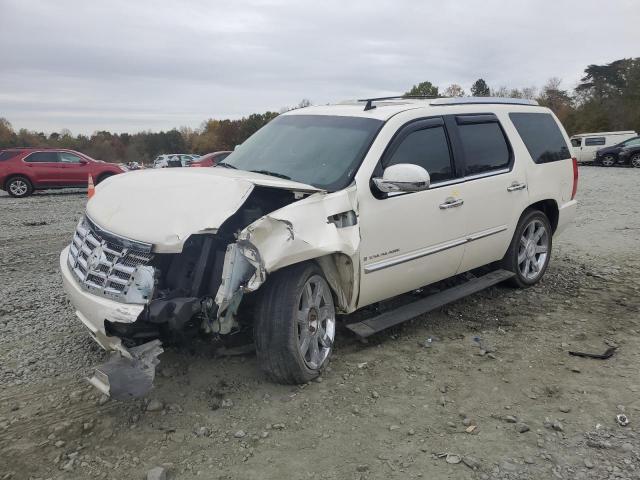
(183, 302)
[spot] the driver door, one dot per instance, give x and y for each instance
(74, 170)
(412, 239)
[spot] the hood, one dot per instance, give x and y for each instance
(610, 149)
(165, 206)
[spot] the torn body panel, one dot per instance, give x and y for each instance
(322, 227)
(164, 207)
(130, 373)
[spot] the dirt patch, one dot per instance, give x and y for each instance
(484, 388)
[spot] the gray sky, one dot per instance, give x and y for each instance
(139, 65)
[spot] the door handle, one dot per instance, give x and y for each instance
(451, 202)
(515, 186)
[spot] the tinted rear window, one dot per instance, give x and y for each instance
(542, 137)
(7, 154)
(485, 148)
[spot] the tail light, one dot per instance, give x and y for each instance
(575, 178)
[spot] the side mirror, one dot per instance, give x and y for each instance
(83, 161)
(403, 177)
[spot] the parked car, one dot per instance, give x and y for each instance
(624, 153)
(210, 159)
(174, 160)
(133, 166)
(326, 210)
(23, 170)
(586, 145)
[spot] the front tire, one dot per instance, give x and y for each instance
(608, 161)
(530, 250)
(19, 187)
(295, 324)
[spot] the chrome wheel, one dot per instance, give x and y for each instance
(635, 161)
(533, 250)
(608, 161)
(316, 322)
(18, 187)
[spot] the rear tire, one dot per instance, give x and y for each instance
(530, 249)
(635, 160)
(295, 324)
(19, 187)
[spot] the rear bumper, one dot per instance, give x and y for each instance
(93, 310)
(566, 216)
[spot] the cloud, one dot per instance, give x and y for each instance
(131, 66)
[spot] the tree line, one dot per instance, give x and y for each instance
(606, 99)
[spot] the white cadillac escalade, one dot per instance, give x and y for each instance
(323, 212)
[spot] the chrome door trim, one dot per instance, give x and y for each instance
(486, 233)
(407, 257)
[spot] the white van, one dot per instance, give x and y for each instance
(585, 145)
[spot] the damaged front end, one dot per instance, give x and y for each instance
(134, 295)
(169, 287)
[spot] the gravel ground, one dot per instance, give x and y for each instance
(493, 395)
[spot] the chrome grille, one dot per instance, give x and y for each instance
(109, 266)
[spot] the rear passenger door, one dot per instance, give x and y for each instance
(494, 188)
(43, 168)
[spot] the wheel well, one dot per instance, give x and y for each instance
(104, 175)
(550, 209)
(11, 177)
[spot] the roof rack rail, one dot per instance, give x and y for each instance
(483, 100)
(369, 105)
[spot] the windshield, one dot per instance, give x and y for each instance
(319, 150)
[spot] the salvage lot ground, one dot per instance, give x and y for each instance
(387, 409)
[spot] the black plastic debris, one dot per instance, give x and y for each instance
(599, 356)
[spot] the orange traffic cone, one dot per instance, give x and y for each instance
(91, 189)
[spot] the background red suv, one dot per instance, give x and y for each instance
(210, 159)
(23, 170)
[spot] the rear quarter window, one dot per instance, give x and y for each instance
(541, 135)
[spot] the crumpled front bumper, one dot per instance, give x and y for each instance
(93, 310)
(129, 373)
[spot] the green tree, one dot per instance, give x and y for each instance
(424, 89)
(480, 88)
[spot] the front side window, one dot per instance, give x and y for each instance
(427, 148)
(42, 157)
(576, 142)
(320, 150)
(69, 158)
(541, 135)
(485, 148)
(593, 141)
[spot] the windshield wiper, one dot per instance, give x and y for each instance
(272, 174)
(225, 165)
